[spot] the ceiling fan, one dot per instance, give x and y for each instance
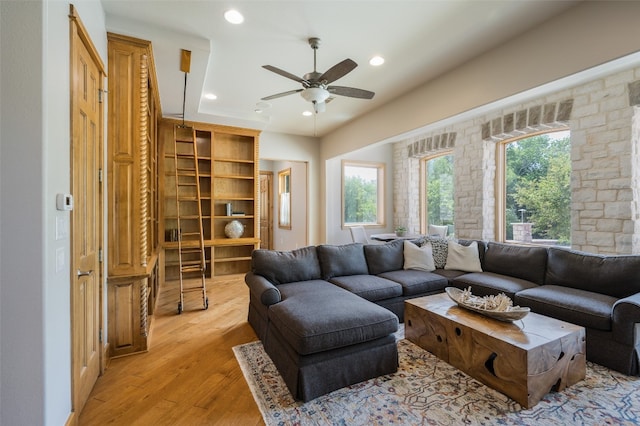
(315, 85)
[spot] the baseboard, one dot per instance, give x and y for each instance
(105, 357)
(72, 420)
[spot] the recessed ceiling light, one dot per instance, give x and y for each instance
(233, 16)
(307, 113)
(211, 96)
(376, 61)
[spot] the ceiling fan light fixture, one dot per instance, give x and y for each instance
(315, 94)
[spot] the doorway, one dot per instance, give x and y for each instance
(87, 76)
(266, 210)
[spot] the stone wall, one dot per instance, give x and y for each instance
(604, 118)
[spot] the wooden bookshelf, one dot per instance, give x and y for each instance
(228, 165)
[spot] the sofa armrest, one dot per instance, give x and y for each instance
(626, 314)
(263, 289)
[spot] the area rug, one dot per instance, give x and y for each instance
(428, 391)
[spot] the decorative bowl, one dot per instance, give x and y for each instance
(513, 314)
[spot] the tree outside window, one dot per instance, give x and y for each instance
(363, 193)
(438, 204)
(538, 189)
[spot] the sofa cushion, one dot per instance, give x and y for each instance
(415, 282)
(449, 274)
(524, 262)
(384, 257)
(616, 276)
(489, 283)
(576, 306)
(339, 260)
(369, 287)
(463, 258)
(420, 258)
(317, 316)
(286, 266)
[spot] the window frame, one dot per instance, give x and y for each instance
(284, 187)
(501, 180)
(424, 208)
(381, 191)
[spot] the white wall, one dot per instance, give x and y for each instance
(278, 146)
(571, 42)
(378, 153)
(34, 166)
(584, 36)
(297, 236)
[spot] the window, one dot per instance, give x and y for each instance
(284, 199)
(362, 193)
(437, 197)
(535, 199)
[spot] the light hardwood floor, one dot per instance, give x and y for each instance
(189, 376)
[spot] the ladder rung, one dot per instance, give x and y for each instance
(191, 251)
(191, 269)
(189, 289)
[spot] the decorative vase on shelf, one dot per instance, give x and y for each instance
(234, 229)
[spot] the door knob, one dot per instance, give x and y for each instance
(84, 273)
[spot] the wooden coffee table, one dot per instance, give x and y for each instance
(525, 359)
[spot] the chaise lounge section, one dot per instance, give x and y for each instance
(326, 315)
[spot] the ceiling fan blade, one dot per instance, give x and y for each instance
(279, 95)
(286, 74)
(337, 71)
(351, 92)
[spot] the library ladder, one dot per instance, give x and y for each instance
(191, 254)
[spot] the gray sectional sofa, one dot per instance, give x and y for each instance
(326, 314)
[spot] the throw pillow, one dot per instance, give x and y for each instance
(420, 258)
(463, 258)
(440, 247)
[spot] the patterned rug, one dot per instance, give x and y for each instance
(428, 391)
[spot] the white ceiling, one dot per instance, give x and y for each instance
(419, 40)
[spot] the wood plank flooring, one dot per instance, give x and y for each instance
(189, 376)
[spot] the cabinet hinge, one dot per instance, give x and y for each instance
(101, 93)
(100, 336)
(100, 175)
(100, 255)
